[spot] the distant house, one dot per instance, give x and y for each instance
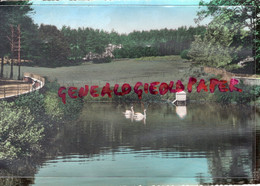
(107, 53)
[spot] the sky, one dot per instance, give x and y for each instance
(122, 16)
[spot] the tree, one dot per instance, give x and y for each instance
(219, 46)
(55, 49)
(243, 11)
(30, 40)
(240, 14)
(12, 14)
(4, 44)
(257, 42)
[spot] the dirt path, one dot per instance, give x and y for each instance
(9, 88)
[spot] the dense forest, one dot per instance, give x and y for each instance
(230, 37)
(135, 44)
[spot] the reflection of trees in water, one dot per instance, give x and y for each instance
(235, 164)
(221, 114)
(19, 171)
(16, 181)
(221, 134)
(257, 145)
(231, 166)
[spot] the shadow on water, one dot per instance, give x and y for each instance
(203, 143)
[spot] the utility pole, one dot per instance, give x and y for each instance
(12, 50)
(19, 51)
(15, 43)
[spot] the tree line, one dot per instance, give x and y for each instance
(78, 42)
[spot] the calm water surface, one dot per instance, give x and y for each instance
(173, 145)
(200, 143)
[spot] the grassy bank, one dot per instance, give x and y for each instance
(147, 69)
(249, 95)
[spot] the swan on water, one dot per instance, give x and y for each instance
(129, 112)
(139, 115)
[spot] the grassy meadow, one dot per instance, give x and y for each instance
(145, 69)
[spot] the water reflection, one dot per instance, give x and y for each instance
(220, 136)
(211, 144)
(181, 111)
(135, 116)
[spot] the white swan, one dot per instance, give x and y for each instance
(129, 112)
(139, 116)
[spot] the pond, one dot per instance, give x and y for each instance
(197, 143)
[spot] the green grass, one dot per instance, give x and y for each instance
(160, 58)
(232, 67)
(147, 69)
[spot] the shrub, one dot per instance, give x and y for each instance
(184, 54)
(20, 134)
(249, 93)
(34, 102)
(51, 86)
(133, 51)
(102, 60)
(58, 111)
(71, 110)
(210, 53)
(55, 109)
(52, 108)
